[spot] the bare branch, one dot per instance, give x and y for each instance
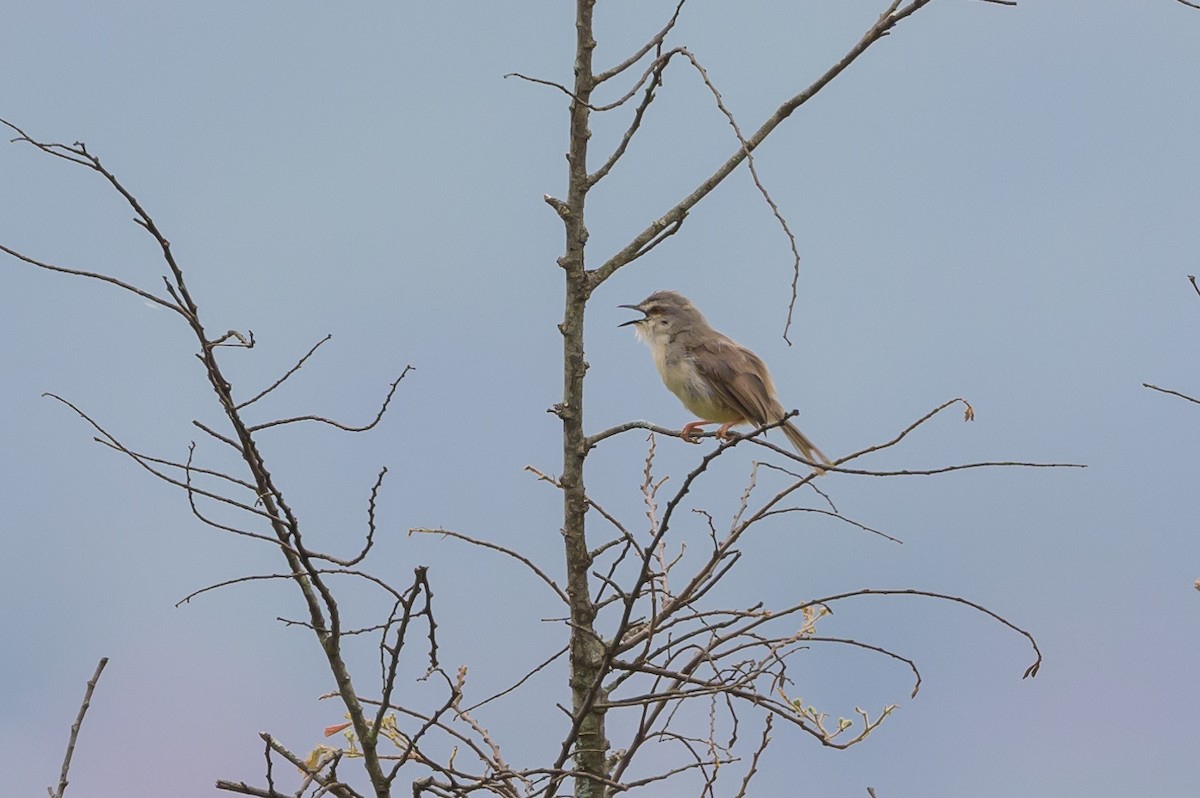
(675, 216)
(758, 752)
(282, 379)
(298, 575)
(1196, 288)
(832, 514)
(390, 654)
(655, 77)
(236, 581)
(592, 440)
(324, 616)
(1030, 671)
(877, 649)
(370, 540)
(113, 443)
(1172, 393)
(75, 727)
(222, 438)
(78, 154)
(378, 416)
(546, 663)
(104, 278)
(208, 472)
(239, 341)
(624, 536)
(968, 415)
(766, 195)
(191, 494)
(655, 41)
(923, 472)
(242, 788)
(314, 773)
(74, 154)
(542, 82)
(495, 547)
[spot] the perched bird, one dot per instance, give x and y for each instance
(715, 377)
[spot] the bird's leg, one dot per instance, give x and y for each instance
(723, 432)
(691, 431)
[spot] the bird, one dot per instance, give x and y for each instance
(715, 377)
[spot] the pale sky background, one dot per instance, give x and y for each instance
(995, 203)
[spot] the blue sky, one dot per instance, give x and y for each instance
(995, 203)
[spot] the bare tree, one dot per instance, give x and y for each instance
(651, 656)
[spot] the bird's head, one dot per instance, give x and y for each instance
(665, 314)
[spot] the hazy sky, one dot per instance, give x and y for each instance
(995, 203)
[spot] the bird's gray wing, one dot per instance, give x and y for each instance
(734, 373)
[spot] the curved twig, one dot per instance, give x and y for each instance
(879, 650)
(655, 76)
(281, 380)
(558, 591)
(346, 427)
(762, 190)
(235, 581)
(369, 542)
(297, 575)
(636, 247)
(116, 444)
(655, 41)
(1030, 671)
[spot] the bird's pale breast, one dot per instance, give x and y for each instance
(683, 379)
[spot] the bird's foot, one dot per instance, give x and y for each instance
(692, 431)
(724, 434)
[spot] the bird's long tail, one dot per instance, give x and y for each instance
(804, 447)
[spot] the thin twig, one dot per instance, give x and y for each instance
(832, 514)
(520, 682)
(182, 466)
(655, 41)
(222, 438)
(242, 788)
(558, 591)
(75, 727)
(346, 427)
(104, 278)
(638, 245)
(758, 752)
(116, 444)
(1172, 393)
(1030, 671)
(281, 380)
(655, 77)
(237, 581)
(370, 540)
(762, 190)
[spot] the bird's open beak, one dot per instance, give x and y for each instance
(632, 321)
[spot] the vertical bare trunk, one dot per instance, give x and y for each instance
(586, 649)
